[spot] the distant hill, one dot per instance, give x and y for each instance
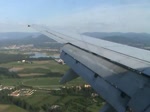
(21, 38)
(141, 40)
(16, 35)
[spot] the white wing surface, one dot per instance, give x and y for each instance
(119, 73)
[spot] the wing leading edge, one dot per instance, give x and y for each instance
(107, 66)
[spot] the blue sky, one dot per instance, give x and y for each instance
(81, 15)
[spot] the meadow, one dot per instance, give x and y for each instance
(10, 108)
(44, 76)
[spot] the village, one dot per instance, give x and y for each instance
(22, 92)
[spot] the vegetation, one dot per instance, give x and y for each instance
(5, 58)
(66, 100)
(5, 73)
(5, 99)
(11, 108)
(40, 82)
(43, 75)
(47, 67)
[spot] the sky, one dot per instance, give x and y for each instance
(78, 15)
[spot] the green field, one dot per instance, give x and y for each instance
(44, 76)
(50, 73)
(10, 108)
(41, 98)
(44, 67)
(42, 82)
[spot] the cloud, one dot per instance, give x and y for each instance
(108, 18)
(117, 16)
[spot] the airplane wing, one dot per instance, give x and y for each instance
(119, 73)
